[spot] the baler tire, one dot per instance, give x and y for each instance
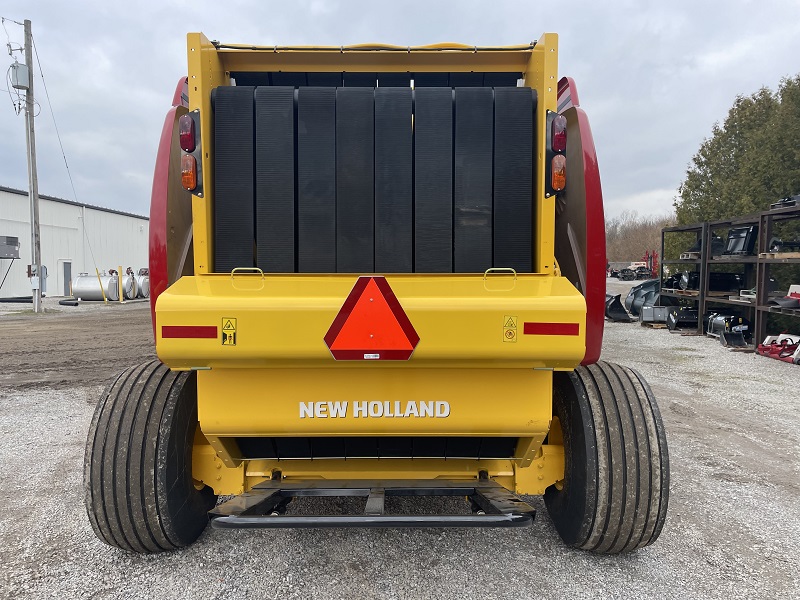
(615, 491)
(137, 476)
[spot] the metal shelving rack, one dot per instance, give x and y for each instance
(759, 309)
(701, 232)
(765, 230)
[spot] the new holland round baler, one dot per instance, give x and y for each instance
(376, 271)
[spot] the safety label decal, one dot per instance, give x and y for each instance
(509, 328)
(228, 331)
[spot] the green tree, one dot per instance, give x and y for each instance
(750, 161)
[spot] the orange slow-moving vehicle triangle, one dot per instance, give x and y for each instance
(371, 325)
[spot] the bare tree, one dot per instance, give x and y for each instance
(629, 235)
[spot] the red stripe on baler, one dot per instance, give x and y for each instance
(551, 329)
(189, 331)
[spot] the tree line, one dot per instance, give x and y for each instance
(751, 160)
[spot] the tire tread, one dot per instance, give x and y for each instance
(625, 478)
(144, 418)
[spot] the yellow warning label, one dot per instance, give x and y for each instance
(509, 328)
(228, 332)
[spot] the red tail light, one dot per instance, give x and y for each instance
(186, 133)
(188, 172)
(558, 134)
(558, 172)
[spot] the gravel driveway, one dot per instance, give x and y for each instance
(733, 529)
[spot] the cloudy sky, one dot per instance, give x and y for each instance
(653, 76)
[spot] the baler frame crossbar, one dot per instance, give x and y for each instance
(265, 505)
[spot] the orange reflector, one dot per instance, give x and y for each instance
(558, 170)
(371, 325)
(188, 172)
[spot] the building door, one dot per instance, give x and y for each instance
(67, 278)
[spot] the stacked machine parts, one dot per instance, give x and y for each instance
(739, 295)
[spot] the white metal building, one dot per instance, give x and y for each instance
(67, 231)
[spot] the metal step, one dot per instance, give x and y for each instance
(265, 505)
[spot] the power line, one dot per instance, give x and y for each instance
(61, 145)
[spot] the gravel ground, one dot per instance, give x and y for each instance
(732, 531)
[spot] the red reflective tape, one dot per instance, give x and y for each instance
(551, 329)
(189, 331)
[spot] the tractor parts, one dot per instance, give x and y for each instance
(615, 311)
(784, 347)
(681, 318)
(731, 330)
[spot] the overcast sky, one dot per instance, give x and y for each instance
(653, 76)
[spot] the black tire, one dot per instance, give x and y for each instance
(137, 474)
(616, 465)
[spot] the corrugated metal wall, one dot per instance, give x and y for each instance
(116, 239)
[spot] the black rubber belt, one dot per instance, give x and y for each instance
(472, 236)
(393, 181)
(355, 185)
(234, 218)
(513, 178)
(433, 180)
(316, 180)
(275, 202)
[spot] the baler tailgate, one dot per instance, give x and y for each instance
(497, 320)
(265, 506)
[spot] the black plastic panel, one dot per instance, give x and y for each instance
(316, 180)
(513, 178)
(431, 80)
(324, 79)
(433, 180)
(374, 447)
(290, 79)
(355, 184)
(393, 181)
(394, 79)
(353, 79)
(356, 79)
(472, 236)
(234, 198)
(275, 194)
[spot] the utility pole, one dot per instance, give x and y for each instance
(33, 181)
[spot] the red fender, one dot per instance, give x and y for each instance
(170, 207)
(580, 222)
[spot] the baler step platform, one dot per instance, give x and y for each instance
(265, 505)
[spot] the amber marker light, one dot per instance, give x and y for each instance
(188, 172)
(558, 178)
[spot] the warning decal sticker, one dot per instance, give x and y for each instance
(509, 328)
(228, 331)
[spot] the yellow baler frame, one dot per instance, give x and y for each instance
(215, 462)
